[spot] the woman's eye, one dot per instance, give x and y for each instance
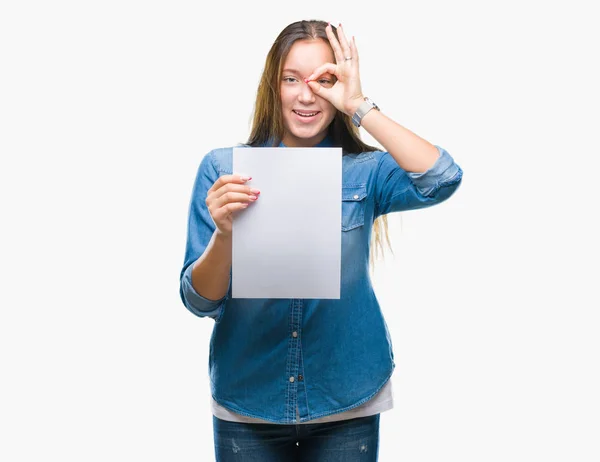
(287, 79)
(325, 82)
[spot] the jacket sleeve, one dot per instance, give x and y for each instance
(199, 232)
(398, 190)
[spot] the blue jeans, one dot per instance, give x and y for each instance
(354, 440)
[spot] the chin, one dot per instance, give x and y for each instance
(305, 138)
(307, 132)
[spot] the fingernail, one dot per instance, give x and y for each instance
(306, 80)
(245, 178)
(328, 24)
(255, 191)
(340, 24)
(252, 198)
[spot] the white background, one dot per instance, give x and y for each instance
(106, 109)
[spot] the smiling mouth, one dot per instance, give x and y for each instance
(306, 113)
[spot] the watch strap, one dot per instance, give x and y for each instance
(362, 110)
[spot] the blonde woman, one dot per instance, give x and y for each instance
(306, 379)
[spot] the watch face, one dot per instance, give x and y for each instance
(362, 110)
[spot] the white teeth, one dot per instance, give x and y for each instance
(306, 115)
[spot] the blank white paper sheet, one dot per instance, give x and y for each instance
(287, 244)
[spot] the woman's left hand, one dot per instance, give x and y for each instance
(346, 94)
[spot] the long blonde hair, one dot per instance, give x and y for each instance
(267, 123)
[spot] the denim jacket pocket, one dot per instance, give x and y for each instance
(353, 206)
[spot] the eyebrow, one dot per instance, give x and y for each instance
(294, 71)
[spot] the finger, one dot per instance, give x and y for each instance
(231, 187)
(319, 71)
(344, 43)
(318, 89)
(226, 179)
(233, 197)
(222, 212)
(354, 51)
(337, 50)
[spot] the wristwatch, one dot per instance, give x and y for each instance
(362, 110)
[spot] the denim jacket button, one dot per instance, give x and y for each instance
(292, 378)
(294, 334)
(300, 378)
(356, 196)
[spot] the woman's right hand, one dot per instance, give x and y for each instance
(227, 195)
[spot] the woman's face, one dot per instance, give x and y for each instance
(306, 116)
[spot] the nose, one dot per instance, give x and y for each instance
(306, 95)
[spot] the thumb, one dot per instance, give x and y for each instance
(318, 89)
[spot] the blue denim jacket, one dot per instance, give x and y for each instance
(273, 358)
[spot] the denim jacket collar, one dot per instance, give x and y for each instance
(326, 143)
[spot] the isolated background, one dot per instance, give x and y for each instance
(106, 110)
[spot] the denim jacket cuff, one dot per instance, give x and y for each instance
(444, 172)
(196, 303)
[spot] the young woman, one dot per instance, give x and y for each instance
(306, 379)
